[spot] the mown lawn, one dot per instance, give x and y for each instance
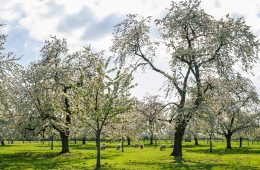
(39, 156)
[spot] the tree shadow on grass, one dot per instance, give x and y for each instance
(83, 147)
(194, 146)
(38, 160)
(189, 165)
(93, 147)
(49, 160)
(25, 160)
(6, 146)
(223, 151)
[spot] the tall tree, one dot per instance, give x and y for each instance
(9, 75)
(50, 83)
(198, 45)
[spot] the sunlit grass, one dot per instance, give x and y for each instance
(39, 156)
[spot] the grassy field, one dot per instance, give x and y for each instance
(39, 156)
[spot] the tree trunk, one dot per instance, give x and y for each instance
(83, 140)
(240, 142)
(178, 136)
(64, 142)
(128, 141)
(75, 140)
(210, 143)
(151, 139)
(43, 136)
(196, 141)
(228, 138)
(51, 138)
(98, 163)
(122, 144)
(2, 142)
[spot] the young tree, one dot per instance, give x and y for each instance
(103, 95)
(198, 45)
(207, 121)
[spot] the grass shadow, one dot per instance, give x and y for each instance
(38, 160)
(223, 151)
(194, 146)
(190, 165)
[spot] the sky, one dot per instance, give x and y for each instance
(91, 22)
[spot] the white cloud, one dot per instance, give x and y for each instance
(248, 9)
(10, 10)
(62, 18)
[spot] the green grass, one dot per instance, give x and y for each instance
(39, 156)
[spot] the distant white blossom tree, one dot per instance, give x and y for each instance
(152, 112)
(232, 106)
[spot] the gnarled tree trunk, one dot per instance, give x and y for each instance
(228, 138)
(178, 136)
(64, 142)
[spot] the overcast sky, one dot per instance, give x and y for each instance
(84, 22)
